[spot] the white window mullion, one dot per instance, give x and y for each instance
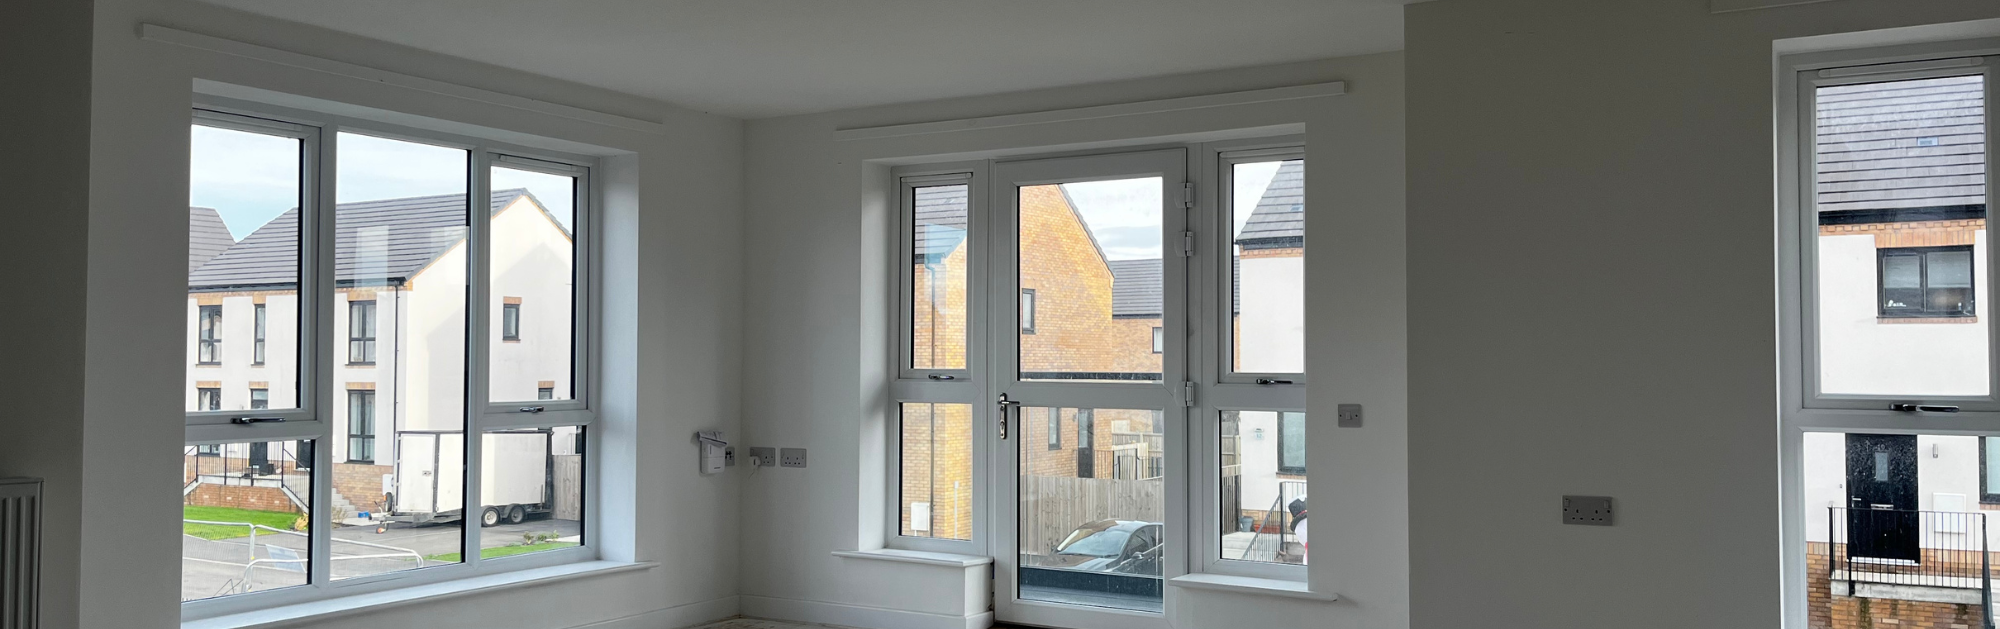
(315, 380)
(478, 346)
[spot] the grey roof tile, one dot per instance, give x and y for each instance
(208, 236)
(1135, 288)
(1279, 221)
(399, 236)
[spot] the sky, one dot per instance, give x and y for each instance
(1124, 214)
(251, 178)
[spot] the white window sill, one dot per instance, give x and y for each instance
(951, 560)
(316, 611)
(1250, 585)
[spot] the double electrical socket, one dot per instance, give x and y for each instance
(774, 457)
(1587, 510)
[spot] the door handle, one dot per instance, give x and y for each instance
(1006, 411)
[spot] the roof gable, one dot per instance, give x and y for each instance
(208, 236)
(1279, 221)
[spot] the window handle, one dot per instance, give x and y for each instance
(943, 376)
(1272, 381)
(531, 409)
(254, 420)
(1923, 408)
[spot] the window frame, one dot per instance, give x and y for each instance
(579, 410)
(317, 131)
(1803, 407)
(367, 343)
(1923, 256)
(936, 386)
(1222, 389)
(510, 322)
(208, 335)
(259, 330)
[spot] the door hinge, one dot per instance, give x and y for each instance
(1187, 394)
(1187, 244)
(1187, 194)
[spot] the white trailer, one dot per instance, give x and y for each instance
(428, 484)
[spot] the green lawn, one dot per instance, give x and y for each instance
(275, 519)
(504, 551)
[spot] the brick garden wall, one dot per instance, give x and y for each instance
(360, 484)
(242, 497)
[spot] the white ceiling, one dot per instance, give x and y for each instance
(761, 58)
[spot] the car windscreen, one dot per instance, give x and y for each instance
(1100, 544)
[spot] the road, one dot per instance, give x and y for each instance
(209, 567)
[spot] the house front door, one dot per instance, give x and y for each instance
(1882, 518)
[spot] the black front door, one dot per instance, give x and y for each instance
(1882, 496)
(260, 457)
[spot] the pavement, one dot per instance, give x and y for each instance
(213, 567)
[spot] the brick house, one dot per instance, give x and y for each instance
(399, 294)
(1894, 522)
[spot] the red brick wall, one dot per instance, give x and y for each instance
(242, 497)
(1831, 608)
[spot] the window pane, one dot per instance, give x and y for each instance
(534, 278)
(243, 267)
(1896, 526)
(531, 482)
(1091, 254)
(1092, 519)
(936, 471)
(1268, 313)
(399, 416)
(1900, 201)
(1263, 486)
(937, 281)
(245, 517)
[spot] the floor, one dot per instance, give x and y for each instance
(752, 623)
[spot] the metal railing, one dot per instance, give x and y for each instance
(253, 562)
(1900, 547)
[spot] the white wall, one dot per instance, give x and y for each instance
(671, 310)
(1272, 314)
(1860, 353)
(47, 130)
(816, 275)
(1592, 306)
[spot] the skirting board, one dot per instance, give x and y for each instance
(855, 616)
(688, 615)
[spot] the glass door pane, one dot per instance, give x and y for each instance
(1090, 269)
(1092, 507)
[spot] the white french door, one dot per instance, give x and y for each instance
(1089, 483)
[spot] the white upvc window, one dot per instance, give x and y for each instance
(1887, 389)
(369, 261)
(1110, 282)
(934, 480)
(1250, 312)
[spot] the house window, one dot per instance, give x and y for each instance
(1989, 470)
(361, 426)
(1292, 443)
(361, 332)
(935, 221)
(1086, 456)
(257, 342)
(1159, 340)
(510, 322)
(209, 351)
(934, 483)
(1927, 282)
(1055, 428)
(1027, 311)
(408, 211)
(208, 449)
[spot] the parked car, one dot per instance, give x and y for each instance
(1120, 546)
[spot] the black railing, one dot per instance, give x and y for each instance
(1898, 547)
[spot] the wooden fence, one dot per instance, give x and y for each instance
(569, 486)
(1052, 507)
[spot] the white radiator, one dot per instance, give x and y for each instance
(20, 551)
